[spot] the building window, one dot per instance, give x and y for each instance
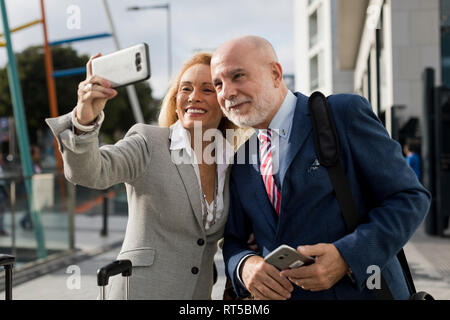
(314, 72)
(313, 29)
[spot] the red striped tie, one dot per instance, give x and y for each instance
(265, 151)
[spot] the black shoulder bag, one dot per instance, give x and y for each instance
(326, 142)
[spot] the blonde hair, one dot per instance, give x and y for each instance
(168, 114)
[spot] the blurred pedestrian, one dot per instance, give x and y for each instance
(412, 159)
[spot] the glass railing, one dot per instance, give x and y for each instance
(39, 221)
(45, 225)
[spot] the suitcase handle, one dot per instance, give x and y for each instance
(112, 269)
(8, 261)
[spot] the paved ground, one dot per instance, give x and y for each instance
(429, 259)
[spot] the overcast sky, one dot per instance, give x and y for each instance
(196, 24)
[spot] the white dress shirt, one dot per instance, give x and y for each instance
(181, 141)
(281, 126)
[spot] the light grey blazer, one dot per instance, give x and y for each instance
(164, 209)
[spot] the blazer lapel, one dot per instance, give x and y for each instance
(187, 174)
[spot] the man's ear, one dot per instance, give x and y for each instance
(277, 74)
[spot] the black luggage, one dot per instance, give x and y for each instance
(104, 273)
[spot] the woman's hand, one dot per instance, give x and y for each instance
(92, 95)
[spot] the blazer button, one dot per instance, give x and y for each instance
(200, 242)
(194, 270)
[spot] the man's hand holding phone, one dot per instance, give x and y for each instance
(264, 281)
(328, 269)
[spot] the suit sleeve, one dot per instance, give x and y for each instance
(87, 164)
(237, 232)
(402, 202)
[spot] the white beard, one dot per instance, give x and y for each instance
(250, 119)
(255, 116)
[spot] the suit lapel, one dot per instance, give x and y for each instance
(301, 128)
(263, 200)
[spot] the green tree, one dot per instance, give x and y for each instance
(31, 68)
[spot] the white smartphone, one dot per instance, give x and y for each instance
(286, 257)
(124, 67)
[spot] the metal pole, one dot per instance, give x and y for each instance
(102, 292)
(127, 288)
(104, 231)
(50, 83)
(21, 127)
(8, 282)
(438, 160)
(131, 91)
(428, 156)
(12, 196)
(71, 207)
(51, 89)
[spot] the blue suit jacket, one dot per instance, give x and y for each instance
(390, 200)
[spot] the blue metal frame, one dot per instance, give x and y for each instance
(95, 36)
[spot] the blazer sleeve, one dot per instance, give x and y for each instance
(87, 164)
(402, 202)
(237, 232)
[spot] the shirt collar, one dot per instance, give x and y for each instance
(282, 121)
(180, 138)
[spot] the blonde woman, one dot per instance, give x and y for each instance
(178, 205)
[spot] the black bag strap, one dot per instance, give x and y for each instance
(326, 142)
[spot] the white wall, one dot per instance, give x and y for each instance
(342, 79)
(415, 46)
(301, 43)
(332, 80)
(324, 46)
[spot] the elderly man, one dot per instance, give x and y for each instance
(287, 197)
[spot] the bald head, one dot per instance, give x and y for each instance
(248, 80)
(254, 46)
